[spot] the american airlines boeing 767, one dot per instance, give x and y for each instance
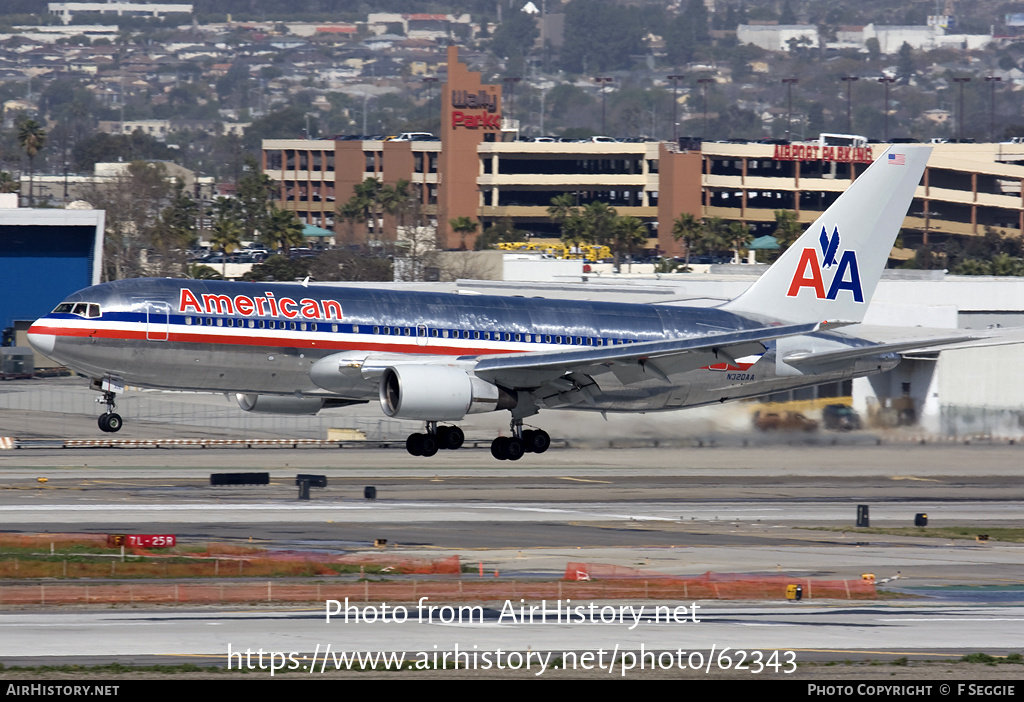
(437, 357)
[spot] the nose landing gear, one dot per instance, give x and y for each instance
(109, 421)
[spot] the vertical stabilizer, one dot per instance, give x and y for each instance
(829, 274)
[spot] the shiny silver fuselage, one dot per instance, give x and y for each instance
(150, 334)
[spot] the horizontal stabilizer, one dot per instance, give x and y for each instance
(803, 360)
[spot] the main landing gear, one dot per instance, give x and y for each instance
(109, 421)
(435, 438)
(504, 448)
(512, 448)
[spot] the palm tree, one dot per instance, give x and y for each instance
(8, 184)
(687, 228)
(199, 271)
(562, 207)
(599, 222)
(787, 228)
(463, 226)
(395, 200)
(367, 198)
(283, 230)
(351, 212)
(566, 213)
(31, 138)
(713, 237)
(739, 237)
(227, 229)
(630, 236)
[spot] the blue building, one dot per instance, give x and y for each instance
(45, 255)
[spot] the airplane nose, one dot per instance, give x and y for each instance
(43, 343)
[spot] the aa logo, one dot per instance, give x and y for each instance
(809, 271)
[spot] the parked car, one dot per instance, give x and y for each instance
(414, 136)
(840, 418)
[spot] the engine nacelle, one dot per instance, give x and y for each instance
(279, 404)
(439, 393)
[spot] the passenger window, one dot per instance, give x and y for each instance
(188, 320)
(220, 322)
(355, 328)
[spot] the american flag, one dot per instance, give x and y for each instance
(897, 160)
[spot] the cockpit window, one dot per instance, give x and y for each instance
(82, 309)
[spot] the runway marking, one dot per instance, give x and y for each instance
(913, 477)
(879, 653)
(581, 480)
(953, 619)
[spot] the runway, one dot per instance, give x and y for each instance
(728, 510)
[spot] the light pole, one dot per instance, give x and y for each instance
(960, 120)
(789, 83)
(675, 104)
(429, 82)
(886, 81)
(849, 113)
(511, 83)
(703, 82)
(601, 82)
(992, 80)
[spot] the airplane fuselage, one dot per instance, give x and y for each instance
(266, 338)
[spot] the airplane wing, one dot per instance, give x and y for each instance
(632, 362)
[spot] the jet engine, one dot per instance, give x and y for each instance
(279, 404)
(439, 393)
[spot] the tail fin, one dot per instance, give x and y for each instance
(829, 274)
